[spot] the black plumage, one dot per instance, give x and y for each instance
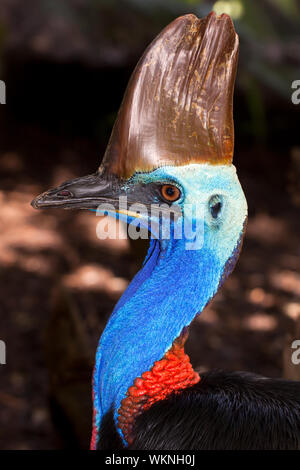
(224, 411)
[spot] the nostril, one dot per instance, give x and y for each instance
(65, 193)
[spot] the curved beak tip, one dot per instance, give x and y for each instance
(44, 200)
(36, 202)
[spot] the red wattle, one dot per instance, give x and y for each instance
(172, 373)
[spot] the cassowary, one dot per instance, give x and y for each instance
(171, 150)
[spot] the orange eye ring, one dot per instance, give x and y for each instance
(170, 193)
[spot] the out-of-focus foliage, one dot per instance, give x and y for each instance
(94, 32)
(111, 33)
(269, 31)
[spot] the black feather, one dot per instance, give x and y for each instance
(110, 438)
(235, 410)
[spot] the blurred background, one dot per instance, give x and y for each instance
(66, 65)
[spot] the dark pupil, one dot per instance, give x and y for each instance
(170, 191)
(215, 209)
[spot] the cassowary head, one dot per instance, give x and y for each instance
(169, 157)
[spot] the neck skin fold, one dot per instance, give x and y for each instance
(173, 285)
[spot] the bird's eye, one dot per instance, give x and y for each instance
(215, 205)
(170, 193)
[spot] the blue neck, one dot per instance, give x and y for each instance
(173, 285)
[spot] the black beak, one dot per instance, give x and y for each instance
(86, 192)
